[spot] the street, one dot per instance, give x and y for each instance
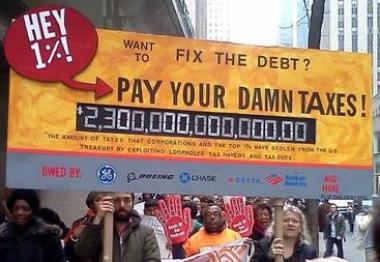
(351, 252)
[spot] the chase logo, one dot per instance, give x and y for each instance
(106, 174)
(184, 177)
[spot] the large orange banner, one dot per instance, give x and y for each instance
(191, 114)
(243, 103)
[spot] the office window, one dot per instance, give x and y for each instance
(354, 22)
(340, 42)
(369, 22)
(370, 45)
(354, 43)
(369, 6)
(378, 52)
(377, 142)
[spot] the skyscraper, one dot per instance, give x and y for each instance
(294, 23)
(219, 20)
(352, 26)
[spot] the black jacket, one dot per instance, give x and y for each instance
(39, 243)
(257, 234)
(300, 254)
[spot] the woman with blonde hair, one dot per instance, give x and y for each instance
(294, 246)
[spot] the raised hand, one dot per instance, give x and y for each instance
(176, 222)
(105, 205)
(239, 216)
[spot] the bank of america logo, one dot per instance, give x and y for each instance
(274, 179)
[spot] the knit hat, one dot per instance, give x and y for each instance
(30, 196)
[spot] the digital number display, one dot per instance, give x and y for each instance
(177, 123)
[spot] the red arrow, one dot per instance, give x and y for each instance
(100, 87)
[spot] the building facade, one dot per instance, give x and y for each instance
(353, 26)
(294, 23)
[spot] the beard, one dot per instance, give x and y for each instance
(122, 215)
(215, 229)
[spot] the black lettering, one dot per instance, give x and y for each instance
(204, 94)
(137, 93)
(122, 86)
(243, 97)
(257, 100)
(303, 100)
(219, 96)
(197, 57)
(152, 91)
(175, 90)
(351, 99)
(261, 61)
(188, 94)
(340, 104)
(315, 103)
(330, 104)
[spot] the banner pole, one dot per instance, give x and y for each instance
(278, 205)
(108, 237)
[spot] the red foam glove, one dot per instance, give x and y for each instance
(175, 221)
(239, 217)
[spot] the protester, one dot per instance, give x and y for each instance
(294, 246)
(149, 219)
(193, 212)
(25, 237)
(376, 229)
(132, 241)
(185, 199)
(140, 202)
(205, 200)
(214, 233)
(263, 218)
(300, 204)
(323, 210)
(92, 200)
(334, 231)
(178, 224)
(51, 217)
(197, 202)
(351, 215)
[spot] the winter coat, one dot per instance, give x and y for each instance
(257, 234)
(340, 225)
(39, 243)
(301, 252)
(139, 244)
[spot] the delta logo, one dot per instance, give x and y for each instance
(243, 180)
(274, 180)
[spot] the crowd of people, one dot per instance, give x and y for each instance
(145, 230)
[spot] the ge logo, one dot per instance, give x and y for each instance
(106, 174)
(184, 177)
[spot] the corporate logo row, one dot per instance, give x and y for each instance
(107, 174)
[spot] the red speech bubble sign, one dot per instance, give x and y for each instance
(53, 43)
